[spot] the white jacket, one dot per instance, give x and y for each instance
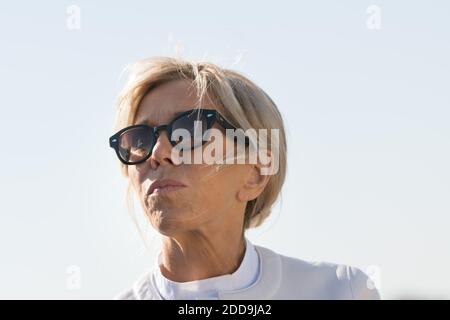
(283, 277)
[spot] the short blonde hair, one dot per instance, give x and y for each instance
(244, 104)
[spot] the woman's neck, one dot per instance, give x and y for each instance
(196, 255)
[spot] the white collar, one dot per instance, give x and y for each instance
(243, 277)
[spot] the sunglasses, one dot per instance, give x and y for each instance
(134, 144)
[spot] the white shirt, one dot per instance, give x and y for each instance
(283, 278)
(244, 276)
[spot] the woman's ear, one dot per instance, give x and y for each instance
(254, 182)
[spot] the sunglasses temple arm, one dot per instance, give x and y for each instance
(224, 123)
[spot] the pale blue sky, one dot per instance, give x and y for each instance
(367, 114)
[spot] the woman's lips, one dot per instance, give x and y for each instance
(164, 186)
(160, 190)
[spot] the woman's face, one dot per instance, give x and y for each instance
(210, 196)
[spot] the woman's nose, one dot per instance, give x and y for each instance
(161, 153)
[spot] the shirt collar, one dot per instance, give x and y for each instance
(267, 283)
(246, 274)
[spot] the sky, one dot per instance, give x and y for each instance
(363, 88)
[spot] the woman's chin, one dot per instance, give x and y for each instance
(167, 222)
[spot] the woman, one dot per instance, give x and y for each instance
(202, 209)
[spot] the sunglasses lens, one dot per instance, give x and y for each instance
(194, 125)
(135, 144)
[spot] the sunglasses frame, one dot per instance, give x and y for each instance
(212, 116)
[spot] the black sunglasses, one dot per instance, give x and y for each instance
(134, 144)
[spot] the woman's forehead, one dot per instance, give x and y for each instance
(167, 100)
(161, 114)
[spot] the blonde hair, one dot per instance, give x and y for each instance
(244, 104)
